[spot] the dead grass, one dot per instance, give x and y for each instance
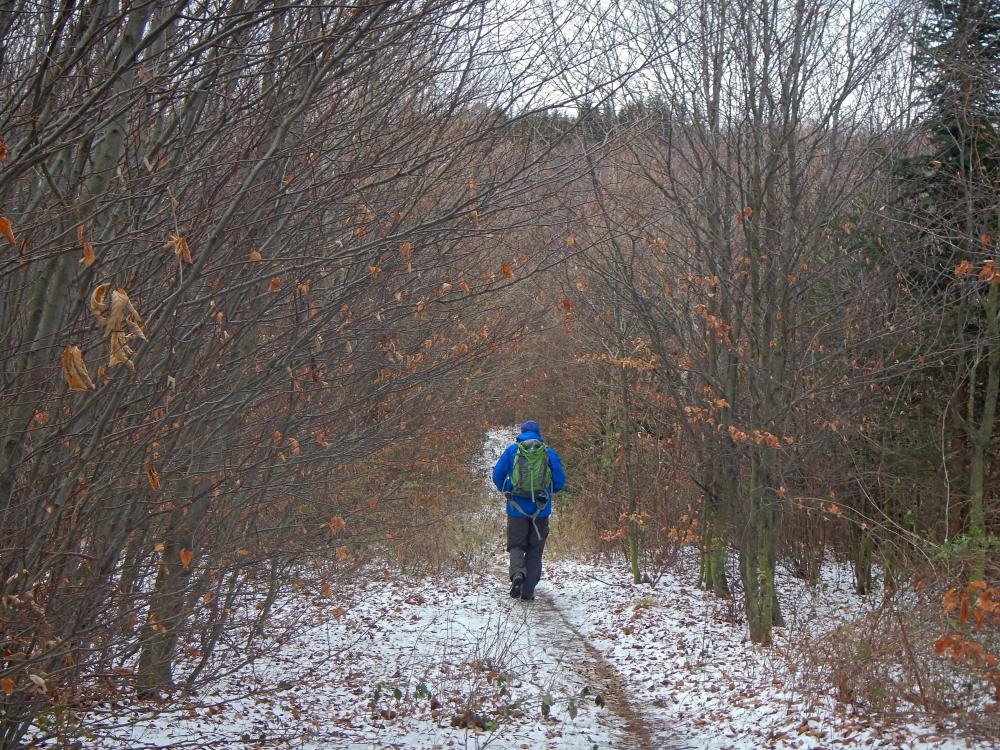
(885, 663)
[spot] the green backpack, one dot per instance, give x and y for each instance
(530, 474)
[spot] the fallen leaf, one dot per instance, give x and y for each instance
(255, 256)
(88, 255)
(186, 557)
(275, 283)
(7, 685)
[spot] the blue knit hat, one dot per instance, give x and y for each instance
(531, 426)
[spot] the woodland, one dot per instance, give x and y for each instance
(270, 271)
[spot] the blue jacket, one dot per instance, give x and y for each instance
(501, 478)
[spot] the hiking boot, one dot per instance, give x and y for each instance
(515, 586)
(527, 597)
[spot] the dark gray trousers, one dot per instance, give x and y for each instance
(525, 550)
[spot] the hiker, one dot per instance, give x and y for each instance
(527, 473)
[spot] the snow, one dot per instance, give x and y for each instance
(453, 662)
(397, 668)
(702, 682)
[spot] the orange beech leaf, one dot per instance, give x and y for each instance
(293, 446)
(153, 476)
(464, 287)
(341, 554)
(984, 240)
(207, 597)
(276, 437)
(406, 249)
(564, 304)
(7, 685)
(186, 557)
(88, 255)
(337, 524)
(98, 301)
(505, 270)
(989, 272)
(570, 240)
(275, 283)
(180, 247)
(326, 590)
(255, 256)
(7, 230)
(962, 268)
(75, 370)
(473, 213)
(79, 233)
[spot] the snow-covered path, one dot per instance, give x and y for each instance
(451, 661)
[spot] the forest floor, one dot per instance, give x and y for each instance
(594, 662)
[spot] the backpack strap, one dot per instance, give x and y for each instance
(532, 516)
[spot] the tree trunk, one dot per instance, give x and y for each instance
(981, 437)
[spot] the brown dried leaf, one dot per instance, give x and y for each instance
(180, 247)
(7, 685)
(337, 524)
(186, 557)
(255, 256)
(119, 350)
(99, 302)
(75, 369)
(153, 476)
(7, 230)
(88, 255)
